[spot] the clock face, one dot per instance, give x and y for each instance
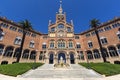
(60, 26)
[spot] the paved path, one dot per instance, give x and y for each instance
(48, 71)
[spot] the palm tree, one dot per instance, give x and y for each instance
(26, 26)
(94, 23)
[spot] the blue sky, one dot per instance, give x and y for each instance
(40, 11)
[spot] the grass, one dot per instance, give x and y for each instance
(106, 69)
(17, 68)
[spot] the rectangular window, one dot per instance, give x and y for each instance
(78, 46)
(90, 45)
(44, 46)
(93, 33)
(107, 28)
(104, 41)
(70, 45)
(13, 28)
(88, 35)
(20, 30)
(100, 30)
(76, 37)
(4, 25)
(33, 35)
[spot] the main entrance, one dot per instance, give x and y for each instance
(62, 55)
(51, 58)
(72, 60)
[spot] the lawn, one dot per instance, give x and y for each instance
(17, 68)
(104, 68)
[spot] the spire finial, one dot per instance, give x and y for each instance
(60, 9)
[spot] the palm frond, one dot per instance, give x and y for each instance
(94, 23)
(26, 25)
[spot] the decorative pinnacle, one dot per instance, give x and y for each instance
(60, 9)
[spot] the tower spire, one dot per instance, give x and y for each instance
(60, 9)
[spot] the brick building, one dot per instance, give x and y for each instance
(60, 41)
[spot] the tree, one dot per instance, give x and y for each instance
(94, 23)
(26, 26)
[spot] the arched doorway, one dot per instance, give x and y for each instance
(51, 58)
(89, 55)
(72, 59)
(62, 54)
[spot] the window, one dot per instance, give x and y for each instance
(118, 35)
(78, 45)
(93, 33)
(13, 28)
(33, 35)
(81, 55)
(88, 35)
(1, 49)
(28, 33)
(18, 40)
(116, 25)
(52, 44)
(20, 30)
(90, 45)
(70, 44)
(60, 26)
(103, 40)
(61, 44)
(53, 29)
(68, 29)
(107, 28)
(1, 35)
(44, 46)
(4, 25)
(45, 37)
(76, 37)
(100, 30)
(32, 44)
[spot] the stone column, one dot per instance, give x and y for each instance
(37, 56)
(21, 55)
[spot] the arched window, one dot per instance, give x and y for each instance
(1, 49)
(70, 44)
(18, 40)
(51, 44)
(8, 51)
(33, 55)
(17, 51)
(112, 51)
(60, 26)
(53, 29)
(25, 54)
(96, 54)
(69, 29)
(61, 44)
(32, 44)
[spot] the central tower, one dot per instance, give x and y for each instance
(61, 38)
